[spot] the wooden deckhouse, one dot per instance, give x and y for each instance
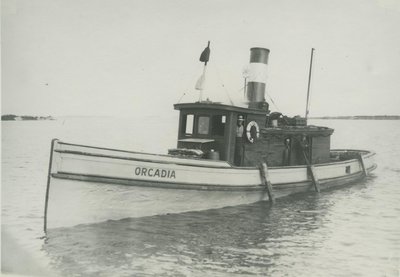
(211, 127)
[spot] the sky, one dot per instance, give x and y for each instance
(130, 58)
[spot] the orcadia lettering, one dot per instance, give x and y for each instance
(155, 172)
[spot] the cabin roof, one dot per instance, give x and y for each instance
(217, 106)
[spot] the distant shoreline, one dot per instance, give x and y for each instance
(361, 117)
(13, 117)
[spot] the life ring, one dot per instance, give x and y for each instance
(252, 131)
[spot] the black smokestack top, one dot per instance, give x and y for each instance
(257, 78)
(259, 55)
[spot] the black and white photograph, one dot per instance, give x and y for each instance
(200, 138)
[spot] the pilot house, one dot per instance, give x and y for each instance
(248, 136)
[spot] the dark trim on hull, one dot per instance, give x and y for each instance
(301, 186)
(152, 184)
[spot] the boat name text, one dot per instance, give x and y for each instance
(155, 172)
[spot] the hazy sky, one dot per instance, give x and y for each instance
(125, 57)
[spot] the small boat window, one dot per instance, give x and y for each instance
(218, 125)
(189, 118)
(203, 125)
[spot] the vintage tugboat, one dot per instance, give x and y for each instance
(226, 155)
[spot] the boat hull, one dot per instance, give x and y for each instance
(89, 185)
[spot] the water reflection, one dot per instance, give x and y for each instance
(248, 239)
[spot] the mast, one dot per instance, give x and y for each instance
(203, 80)
(204, 57)
(309, 84)
(246, 74)
(244, 88)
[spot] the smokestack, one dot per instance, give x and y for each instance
(257, 78)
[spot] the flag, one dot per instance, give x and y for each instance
(205, 55)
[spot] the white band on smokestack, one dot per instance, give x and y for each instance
(257, 73)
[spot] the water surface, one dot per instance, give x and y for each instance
(353, 231)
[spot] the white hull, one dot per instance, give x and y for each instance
(88, 185)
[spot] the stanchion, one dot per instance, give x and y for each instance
(313, 176)
(266, 182)
(310, 171)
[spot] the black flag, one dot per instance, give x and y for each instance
(205, 55)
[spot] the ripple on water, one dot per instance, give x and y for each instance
(351, 231)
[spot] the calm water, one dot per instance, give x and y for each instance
(345, 232)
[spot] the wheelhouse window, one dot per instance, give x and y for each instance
(203, 125)
(218, 125)
(188, 124)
